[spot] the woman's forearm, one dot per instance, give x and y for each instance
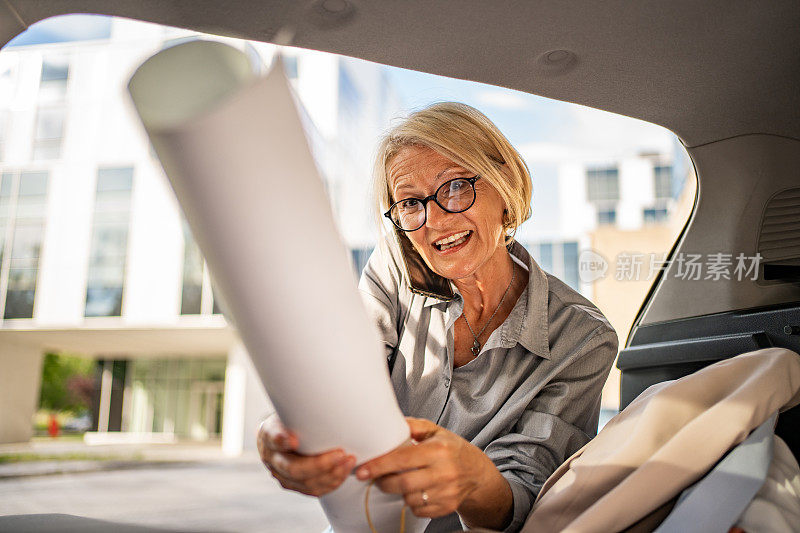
(491, 504)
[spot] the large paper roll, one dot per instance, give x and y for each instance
(234, 150)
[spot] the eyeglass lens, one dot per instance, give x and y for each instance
(453, 196)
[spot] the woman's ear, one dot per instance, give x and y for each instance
(506, 218)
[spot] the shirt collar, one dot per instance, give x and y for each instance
(527, 324)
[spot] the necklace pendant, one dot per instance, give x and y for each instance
(476, 348)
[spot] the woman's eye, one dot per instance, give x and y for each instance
(411, 203)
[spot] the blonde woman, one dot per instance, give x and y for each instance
(497, 364)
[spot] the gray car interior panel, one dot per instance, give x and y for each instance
(671, 350)
(739, 181)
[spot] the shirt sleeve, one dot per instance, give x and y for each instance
(557, 423)
(380, 292)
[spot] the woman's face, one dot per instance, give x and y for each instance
(416, 172)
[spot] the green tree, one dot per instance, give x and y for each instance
(59, 376)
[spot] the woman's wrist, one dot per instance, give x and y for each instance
(491, 503)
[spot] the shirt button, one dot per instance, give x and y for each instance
(447, 382)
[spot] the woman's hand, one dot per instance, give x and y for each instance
(315, 475)
(441, 474)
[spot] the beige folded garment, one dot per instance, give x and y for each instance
(776, 507)
(664, 441)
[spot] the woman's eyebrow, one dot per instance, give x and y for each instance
(460, 170)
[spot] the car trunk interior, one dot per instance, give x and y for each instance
(722, 76)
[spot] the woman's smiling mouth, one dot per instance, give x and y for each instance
(453, 241)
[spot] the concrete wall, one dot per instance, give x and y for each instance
(20, 378)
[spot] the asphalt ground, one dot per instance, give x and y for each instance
(193, 494)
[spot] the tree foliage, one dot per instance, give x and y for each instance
(66, 383)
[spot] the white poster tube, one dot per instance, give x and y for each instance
(235, 153)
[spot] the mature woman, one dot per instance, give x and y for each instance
(501, 382)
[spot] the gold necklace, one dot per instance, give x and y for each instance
(476, 346)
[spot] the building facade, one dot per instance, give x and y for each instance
(96, 258)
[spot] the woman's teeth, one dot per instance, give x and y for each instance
(452, 240)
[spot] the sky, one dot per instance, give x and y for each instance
(542, 129)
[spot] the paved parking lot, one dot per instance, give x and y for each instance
(236, 495)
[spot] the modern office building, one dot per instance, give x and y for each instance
(95, 256)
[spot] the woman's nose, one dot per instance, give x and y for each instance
(436, 215)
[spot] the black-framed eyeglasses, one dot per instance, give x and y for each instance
(454, 196)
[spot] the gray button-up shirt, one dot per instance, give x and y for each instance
(532, 396)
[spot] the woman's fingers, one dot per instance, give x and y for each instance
(413, 481)
(421, 428)
(400, 459)
(317, 485)
(302, 467)
(274, 435)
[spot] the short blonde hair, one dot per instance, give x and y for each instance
(467, 137)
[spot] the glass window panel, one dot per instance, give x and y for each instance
(114, 179)
(3, 226)
(27, 241)
(32, 184)
(663, 181)
(107, 276)
(4, 120)
(606, 216)
(546, 256)
(47, 149)
(652, 215)
(214, 370)
(55, 69)
(103, 301)
(602, 184)
(22, 278)
(55, 74)
(117, 214)
(191, 296)
(5, 185)
(571, 264)
(109, 240)
(19, 303)
(49, 130)
(192, 287)
(50, 123)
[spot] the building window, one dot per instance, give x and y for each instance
(23, 204)
(183, 397)
(197, 294)
(49, 131)
(559, 259)
(606, 216)
(109, 244)
(602, 184)
(570, 254)
(54, 78)
(544, 256)
(4, 120)
(654, 215)
(662, 176)
(192, 289)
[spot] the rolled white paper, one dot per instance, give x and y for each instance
(234, 150)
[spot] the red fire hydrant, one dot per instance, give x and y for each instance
(52, 427)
